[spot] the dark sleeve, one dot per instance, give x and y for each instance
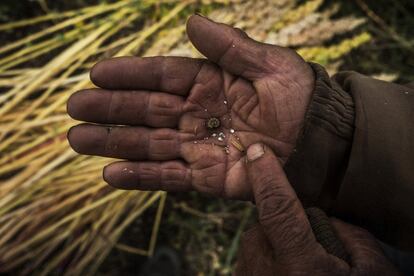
(355, 155)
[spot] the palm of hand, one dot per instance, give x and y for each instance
(257, 92)
(248, 112)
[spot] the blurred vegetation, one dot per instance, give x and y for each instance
(56, 214)
(391, 23)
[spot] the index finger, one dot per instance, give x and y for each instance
(174, 75)
(280, 212)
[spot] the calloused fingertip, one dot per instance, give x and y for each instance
(189, 22)
(105, 174)
(93, 73)
(255, 151)
(120, 175)
(69, 137)
(193, 21)
(71, 106)
(84, 137)
(98, 69)
(108, 173)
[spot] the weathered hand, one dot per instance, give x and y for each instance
(258, 92)
(283, 242)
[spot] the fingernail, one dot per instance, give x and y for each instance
(199, 14)
(105, 173)
(203, 16)
(254, 152)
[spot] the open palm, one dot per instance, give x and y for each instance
(186, 122)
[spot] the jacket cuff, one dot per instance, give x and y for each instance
(317, 164)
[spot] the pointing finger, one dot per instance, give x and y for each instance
(280, 212)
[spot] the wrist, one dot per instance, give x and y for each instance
(294, 91)
(316, 165)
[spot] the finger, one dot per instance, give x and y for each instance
(325, 233)
(231, 48)
(126, 107)
(166, 74)
(134, 143)
(280, 212)
(364, 251)
(167, 176)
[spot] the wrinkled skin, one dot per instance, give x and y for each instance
(283, 243)
(257, 255)
(153, 112)
(163, 104)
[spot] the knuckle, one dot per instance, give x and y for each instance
(296, 240)
(240, 32)
(266, 180)
(274, 208)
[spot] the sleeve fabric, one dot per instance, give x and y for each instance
(355, 155)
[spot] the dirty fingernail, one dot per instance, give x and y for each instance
(255, 151)
(199, 14)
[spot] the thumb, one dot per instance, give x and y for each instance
(281, 214)
(365, 252)
(229, 47)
